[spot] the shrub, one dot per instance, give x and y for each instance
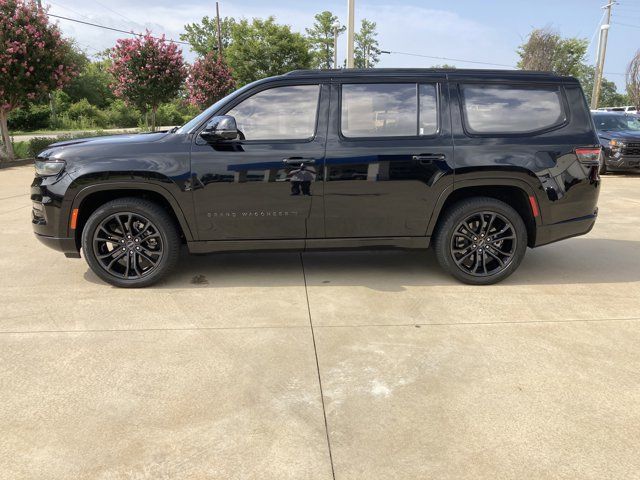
(121, 115)
(168, 114)
(84, 112)
(33, 117)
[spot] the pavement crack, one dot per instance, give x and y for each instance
(315, 351)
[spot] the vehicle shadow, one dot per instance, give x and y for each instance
(574, 261)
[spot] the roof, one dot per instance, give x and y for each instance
(392, 72)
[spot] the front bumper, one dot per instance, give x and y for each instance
(622, 162)
(64, 245)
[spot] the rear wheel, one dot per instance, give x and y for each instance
(130, 242)
(480, 240)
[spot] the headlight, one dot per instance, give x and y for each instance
(616, 145)
(48, 167)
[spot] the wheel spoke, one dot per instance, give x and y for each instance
(125, 257)
(492, 256)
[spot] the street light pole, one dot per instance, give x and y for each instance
(350, 31)
(602, 52)
(336, 29)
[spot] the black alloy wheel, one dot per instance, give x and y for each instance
(480, 240)
(483, 244)
(130, 242)
(128, 245)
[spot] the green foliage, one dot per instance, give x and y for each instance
(366, 52)
(93, 84)
(609, 97)
(21, 149)
(321, 39)
(262, 48)
(203, 36)
(546, 50)
(86, 114)
(121, 115)
(32, 117)
(169, 115)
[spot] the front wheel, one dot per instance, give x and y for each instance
(130, 242)
(480, 240)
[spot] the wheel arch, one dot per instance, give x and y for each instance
(92, 197)
(514, 192)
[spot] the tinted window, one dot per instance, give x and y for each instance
(511, 109)
(279, 113)
(428, 110)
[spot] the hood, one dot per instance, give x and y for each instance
(624, 135)
(111, 139)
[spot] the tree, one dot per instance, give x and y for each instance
(147, 71)
(203, 36)
(93, 83)
(366, 51)
(546, 50)
(609, 96)
(321, 39)
(633, 80)
(262, 48)
(34, 59)
(209, 80)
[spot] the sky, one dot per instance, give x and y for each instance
(471, 30)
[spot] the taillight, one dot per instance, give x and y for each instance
(589, 156)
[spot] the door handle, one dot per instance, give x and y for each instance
(426, 158)
(299, 161)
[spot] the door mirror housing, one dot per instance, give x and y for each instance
(222, 127)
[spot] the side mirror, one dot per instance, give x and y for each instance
(222, 127)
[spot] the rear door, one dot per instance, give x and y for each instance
(389, 155)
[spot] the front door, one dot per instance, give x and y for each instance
(264, 185)
(389, 156)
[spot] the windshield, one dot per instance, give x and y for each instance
(195, 121)
(616, 123)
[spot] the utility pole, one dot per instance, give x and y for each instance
(350, 33)
(602, 52)
(219, 31)
(336, 30)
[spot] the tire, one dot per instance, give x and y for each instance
(459, 254)
(134, 229)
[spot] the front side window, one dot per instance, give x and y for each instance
(281, 113)
(388, 110)
(511, 109)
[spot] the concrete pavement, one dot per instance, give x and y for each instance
(345, 365)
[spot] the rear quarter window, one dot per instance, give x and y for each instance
(508, 109)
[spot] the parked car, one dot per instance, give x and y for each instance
(619, 134)
(480, 164)
(626, 108)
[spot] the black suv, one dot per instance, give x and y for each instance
(479, 163)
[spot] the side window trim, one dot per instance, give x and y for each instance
(564, 105)
(438, 91)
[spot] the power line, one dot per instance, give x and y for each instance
(467, 61)
(115, 29)
(626, 25)
(446, 58)
(113, 11)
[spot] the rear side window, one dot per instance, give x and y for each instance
(511, 109)
(388, 110)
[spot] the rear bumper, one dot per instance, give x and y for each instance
(64, 245)
(570, 228)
